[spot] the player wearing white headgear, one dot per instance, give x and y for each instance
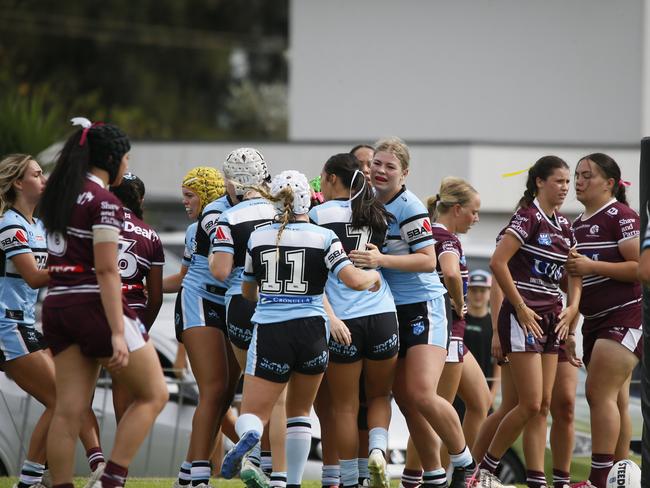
(289, 341)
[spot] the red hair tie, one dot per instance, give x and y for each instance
(624, 183)
(86, 124)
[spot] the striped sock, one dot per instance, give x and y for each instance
(95, 456)
(30, 474)
(297, 446)
(255, 456)
(114, 475)
(349, 472)
(600, 466)
(535, 479)
(435, 479)
(200, 472)
(278, 479)
(561, 478)
(330, 475)
(184, 475)
(411, 478)
(490, 463)
(364, 474)
(266, 462)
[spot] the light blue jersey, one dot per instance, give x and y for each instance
(19, 236)
(410, 231)
(199, 280)
(292, 274)
(336, 215)
(190, 244)
(233, 231)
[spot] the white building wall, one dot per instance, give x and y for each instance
(513, 71)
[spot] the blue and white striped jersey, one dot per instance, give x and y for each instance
(190, 244)
(291, 274)
(336, 215)
(19, 236)
(233, 231)
(199, 279)
(410, 231)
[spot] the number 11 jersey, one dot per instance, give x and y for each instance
(291, 274)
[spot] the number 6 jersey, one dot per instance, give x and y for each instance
(291, 275)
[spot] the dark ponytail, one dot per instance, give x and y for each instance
(367, 211)
(64, 184)
(101, 146)
(131, 192)
(609, 169)
(543, 168)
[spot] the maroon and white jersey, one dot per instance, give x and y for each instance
(598, 238)
(538, 265)
(448, 242)
(140, 249)
(70, 256)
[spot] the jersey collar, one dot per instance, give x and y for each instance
(582, 215)
(402, 190)
(554, 224)
(95, 179)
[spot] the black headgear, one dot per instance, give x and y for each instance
(107, 145)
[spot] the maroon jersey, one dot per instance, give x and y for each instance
(538, 265)
(70, 256)
(598, 238)
(140, 249)
(448, 242)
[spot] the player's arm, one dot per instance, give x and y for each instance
(221, 264)
(450, 266)
(26, 266)
(154, 294)
(249, 290)
(172, 283)
(626, 271)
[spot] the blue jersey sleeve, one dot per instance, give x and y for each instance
(415, 226)
(14, 239)
(222, 240)
(335, 257)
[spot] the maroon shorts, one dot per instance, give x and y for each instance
(623, 326)
(513, 338)
(86, 325)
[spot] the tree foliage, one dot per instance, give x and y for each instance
(161, 69)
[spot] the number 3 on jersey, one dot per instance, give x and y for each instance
(295, 260)
(127, 261)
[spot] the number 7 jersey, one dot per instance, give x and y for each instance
(336, 215)
(291, 274)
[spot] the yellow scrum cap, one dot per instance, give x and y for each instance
(206, 182)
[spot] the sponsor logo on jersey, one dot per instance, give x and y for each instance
(562, 220)
(417, 229)
(136, 229)
(612, 211)
(284, 299)
(85, 197)
(551, 270)
(17, 315)
(544, 240)
(220, 235)
(593, 230)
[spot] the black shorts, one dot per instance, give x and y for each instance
(238, 319)
(279, 348)
(374, 337)
(424, 323)
(194, 311)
